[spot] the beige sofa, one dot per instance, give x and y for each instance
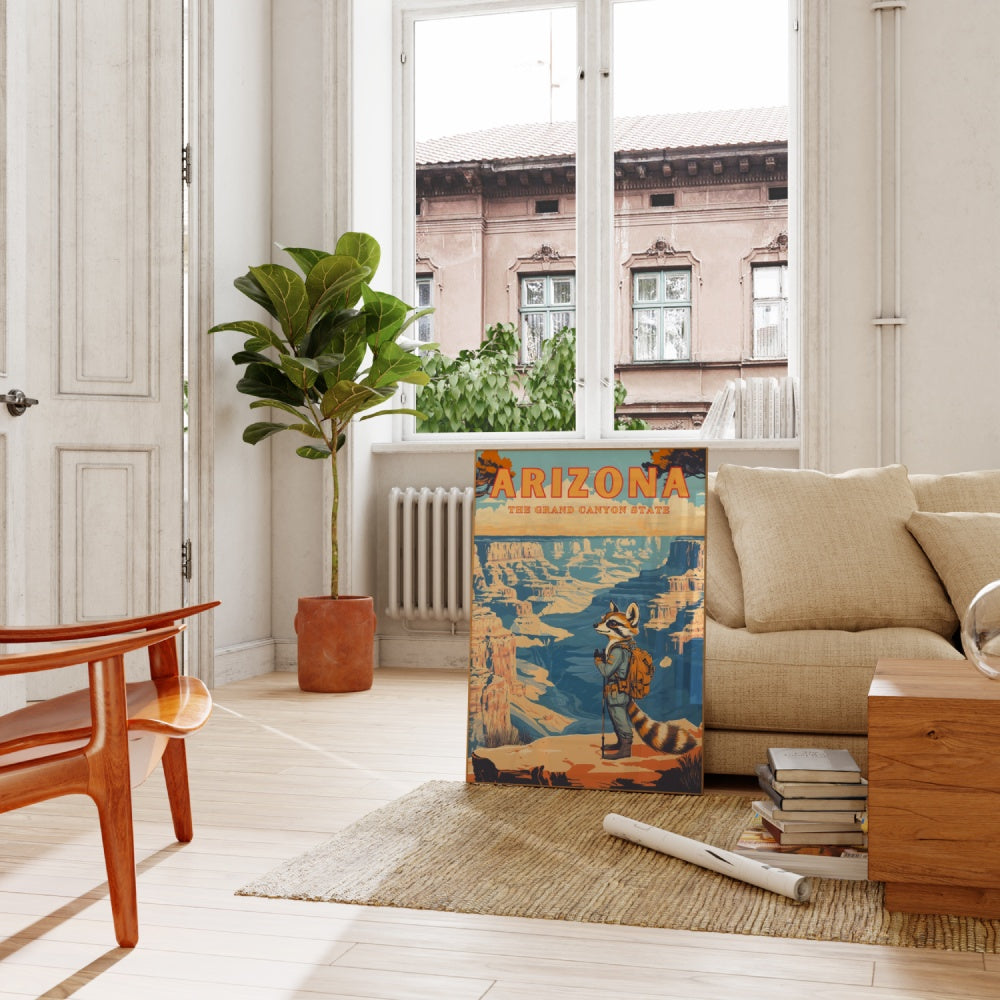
(811, 578)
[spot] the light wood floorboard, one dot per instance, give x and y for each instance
(275, 772)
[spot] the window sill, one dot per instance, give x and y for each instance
(451, 443)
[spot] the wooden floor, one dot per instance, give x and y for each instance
(274, 773)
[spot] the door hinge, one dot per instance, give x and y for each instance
(186, 164)
(187, 560)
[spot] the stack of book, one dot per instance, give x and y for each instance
(813, 816)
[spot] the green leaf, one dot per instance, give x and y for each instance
(269, 382)
(487, 390)
(308, 451)
(392, 364)
(251, 357)
(335, 283)
(363, 248)
(341, 337)
(279, 405)
(402, 409)
(305, 258)
(256, 331)
(287, 293)
(384, 316)
(412, 318)
(250, 287)
(346, 399)
(302, 371)
(259, 431)
(310, 430)
(257, 345)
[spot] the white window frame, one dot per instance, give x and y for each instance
(660, 305)
(548, 309)
(780, 301)
(596, 267)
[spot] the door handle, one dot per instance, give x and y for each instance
(17, 402)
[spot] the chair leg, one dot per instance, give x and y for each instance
(110, 788)
(115, 813)
(176, 775)
(163, 662)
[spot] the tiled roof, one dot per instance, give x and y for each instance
(687, 130)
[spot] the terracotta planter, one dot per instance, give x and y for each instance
(336, 643)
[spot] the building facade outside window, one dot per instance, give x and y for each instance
(661, 315)
(548, 304)
(770, 311)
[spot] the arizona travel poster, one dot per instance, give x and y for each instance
(588, 624)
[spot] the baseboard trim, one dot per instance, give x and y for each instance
(450, 652)
(414, 650)
(243, 660)
(286, 654)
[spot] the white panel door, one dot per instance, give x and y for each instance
(101, 345)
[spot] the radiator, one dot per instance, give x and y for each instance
(430, 553)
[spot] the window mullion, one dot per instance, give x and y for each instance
(595, 223)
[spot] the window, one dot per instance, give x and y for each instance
(770, 311)
(558, 158)
(548, 305)
(425, 297)
(494, 167)
(661, 315)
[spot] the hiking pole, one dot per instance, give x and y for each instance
(604, 708)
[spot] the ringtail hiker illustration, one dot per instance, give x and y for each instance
(627, 671)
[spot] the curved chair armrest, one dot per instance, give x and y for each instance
(91, 652)
(174, 707)
(93, 630)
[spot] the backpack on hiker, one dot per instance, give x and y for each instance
(640, 672)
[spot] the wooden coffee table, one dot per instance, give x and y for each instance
(934, 787)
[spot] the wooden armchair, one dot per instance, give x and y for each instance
(104, 740)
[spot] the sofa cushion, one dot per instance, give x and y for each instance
(973, 491)
(723, 583)
(964, 548)
(820, 551)
(808, 681)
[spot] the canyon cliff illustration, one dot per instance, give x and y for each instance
(581, 558)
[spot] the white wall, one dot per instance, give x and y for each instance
(372, 211)
(242, 231)
(298, 528)
(949, 214)
(951, 222)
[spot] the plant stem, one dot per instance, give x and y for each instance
(330, 440)
(334, 545)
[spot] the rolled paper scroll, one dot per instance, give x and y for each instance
(715, 859)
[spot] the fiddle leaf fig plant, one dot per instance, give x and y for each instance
(334, 353)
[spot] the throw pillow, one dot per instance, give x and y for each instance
(830, 551)
(964, 548)
(723, 583)
(970, 491)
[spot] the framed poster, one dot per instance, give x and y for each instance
(588, 624)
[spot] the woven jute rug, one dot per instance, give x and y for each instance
(542, 852)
